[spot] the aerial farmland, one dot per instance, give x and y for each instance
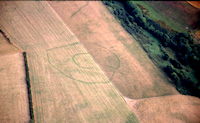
(99, 62)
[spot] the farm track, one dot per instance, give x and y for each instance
(67, 84)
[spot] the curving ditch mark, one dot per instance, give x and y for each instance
(114, 55)
(79, 9)
(75, 63)
(112, 61)
(86, 64)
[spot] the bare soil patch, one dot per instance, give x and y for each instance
(119, 55)
(14, 106)
(166, 109)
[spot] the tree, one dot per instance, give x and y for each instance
(173, 44)
(156, 33)
(184, 34)
(151, 29)
(141, 20)
(175, 77)
(183, 40)
(169, 69)
(183, 59)
(165, 56)
(31, 121)
(106, 2)
(166, 37)
(131, 18)
(137, 11)
(129, 6)
(175, 64)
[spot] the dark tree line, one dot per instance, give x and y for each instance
(134, 21)
(29, 88)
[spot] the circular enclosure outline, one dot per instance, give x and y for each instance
(73, 58)
(66, 74)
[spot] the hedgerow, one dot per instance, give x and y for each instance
(186, 53)
(29, 88)
(27, 80)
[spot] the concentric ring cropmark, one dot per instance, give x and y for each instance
(77, 64)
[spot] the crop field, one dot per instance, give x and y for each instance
(178, 17)
(194, 3)
(67, 84)
(83, 67)
(119, 55)
(14, 106)
(167, 109)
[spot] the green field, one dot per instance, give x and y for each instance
(174, 17)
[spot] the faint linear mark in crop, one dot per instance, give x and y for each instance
(79, 9)
(111, 53)
(81, 106)
(78, 69)
(118, 60)
(73, 58)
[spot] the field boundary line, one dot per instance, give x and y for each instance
(79, 9)
(86, 52)
(29, 88)
(9, 41)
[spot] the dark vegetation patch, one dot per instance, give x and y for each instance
(5, 36)
(182, 66)
(29, 88)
